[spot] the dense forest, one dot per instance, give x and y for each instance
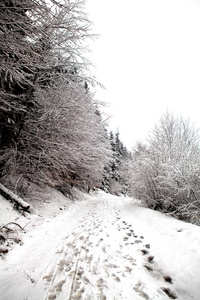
(51, 128)
(51, 131)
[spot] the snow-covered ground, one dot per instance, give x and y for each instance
(100, 247)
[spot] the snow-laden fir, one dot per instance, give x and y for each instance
(99, 247)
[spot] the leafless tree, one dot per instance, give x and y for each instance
(166, 171)
(64, 142)
(40, 41)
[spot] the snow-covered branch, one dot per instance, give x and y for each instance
(165, 173)
(14, 198)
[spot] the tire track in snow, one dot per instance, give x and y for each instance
(104, 258)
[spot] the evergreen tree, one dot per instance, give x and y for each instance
(16, 68)
(115, 174)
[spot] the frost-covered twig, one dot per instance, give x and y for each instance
(5, 226)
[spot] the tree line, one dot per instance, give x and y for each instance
(51, 128)
(165, 171)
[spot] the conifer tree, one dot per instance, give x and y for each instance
(115, 174)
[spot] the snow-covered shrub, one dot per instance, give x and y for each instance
(10, 234)
(165, 172)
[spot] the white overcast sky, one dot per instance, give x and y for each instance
(148, 58)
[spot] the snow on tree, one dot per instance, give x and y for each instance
(49, 129)
(39, 42)
(68, 141)
(115, 172)
(165, 172)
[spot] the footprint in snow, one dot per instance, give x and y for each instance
(78, 294)
(80, 272)
(128, 269)
(150, 259)
(137, 241)
(168, 279)
(138, 289)
(149, 268)
(169, 293)
(129, 233)
(47, 277)
(110, 265)
(144, 251)
(116, 278)
(59, 285)
(99, 282)
(51, 296)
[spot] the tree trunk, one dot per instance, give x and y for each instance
(14, 198)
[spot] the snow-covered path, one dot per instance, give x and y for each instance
(104, 258)
(98, 250)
